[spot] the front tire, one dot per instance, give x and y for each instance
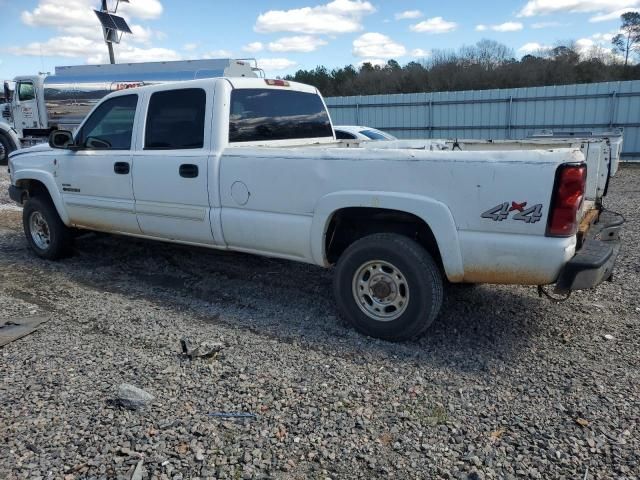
(47, 236)
(7, 148)
(388, 286)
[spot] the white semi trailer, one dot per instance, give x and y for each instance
(42, 103)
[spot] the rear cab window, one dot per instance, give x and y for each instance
(259, 114)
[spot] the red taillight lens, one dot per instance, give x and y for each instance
(568, 194)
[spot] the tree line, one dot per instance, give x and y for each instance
(487, 64)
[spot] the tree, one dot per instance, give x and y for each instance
(487, 64)
(629, 38)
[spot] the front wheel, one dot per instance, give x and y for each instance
(6, 147)
(48, 237)
(388, 286)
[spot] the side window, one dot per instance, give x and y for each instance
(342, 135)
(110, 126)
(26, 91)
(373, 135)
(175, 120)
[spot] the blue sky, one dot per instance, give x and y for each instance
(286, 35)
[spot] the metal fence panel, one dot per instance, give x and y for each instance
(500, 114)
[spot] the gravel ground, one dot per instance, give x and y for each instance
(505, 385)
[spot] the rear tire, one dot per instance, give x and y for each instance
(47, 236)
(388, 286)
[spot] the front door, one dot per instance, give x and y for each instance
(170, 169)
(95, 181)
(25, 114)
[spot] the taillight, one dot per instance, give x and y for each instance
(568, 193)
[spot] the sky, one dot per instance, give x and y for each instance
(287, 35)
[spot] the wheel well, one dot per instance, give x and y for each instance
(34, 188)
(350, 224)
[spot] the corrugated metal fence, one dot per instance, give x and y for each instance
(500, 114)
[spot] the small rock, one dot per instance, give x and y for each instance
(137, 473)
(204, 350)
(582, 422)
(131, 397)
(609, 337)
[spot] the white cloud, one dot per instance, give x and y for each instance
(615, 15)
(190, 47)
(377, 45)
(271, 64)
(604, 37)
(507, 27)
(135, 55)
(408, 14)
(540, 25)
(502, 27)
(376, 62)
(584, 44)
(543, 7)
(217, 54)
(93, 51)
(434, 25)
(418, 52)
(338, 16)
(533, 47)
(302, 44)
(253, 47)
(80, 34)
(598, 42)
(146, 9)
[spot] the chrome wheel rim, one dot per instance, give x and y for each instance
(40, 233)
(380, 290)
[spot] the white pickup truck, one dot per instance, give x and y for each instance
(253, 165)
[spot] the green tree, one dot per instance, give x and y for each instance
(629, 39)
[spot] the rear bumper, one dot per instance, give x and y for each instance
(594, 262)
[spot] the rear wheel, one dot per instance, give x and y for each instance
(47, 236)
(388, 286)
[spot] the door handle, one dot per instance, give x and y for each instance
(188, 170)
(121, 168)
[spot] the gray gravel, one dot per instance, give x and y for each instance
(505, 385)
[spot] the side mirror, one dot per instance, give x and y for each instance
(61, 139)
(7, 92)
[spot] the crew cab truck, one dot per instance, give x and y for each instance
(252, 165)
(42, 103)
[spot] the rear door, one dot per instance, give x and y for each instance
(95, 182)
(171, 166)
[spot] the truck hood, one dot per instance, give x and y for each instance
(42, 147)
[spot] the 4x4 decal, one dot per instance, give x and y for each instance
(501, 212)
